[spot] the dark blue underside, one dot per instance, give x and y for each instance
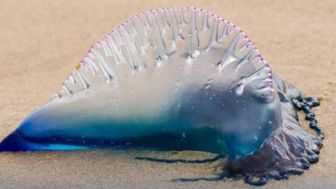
(18, 142)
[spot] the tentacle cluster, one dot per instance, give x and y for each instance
(306, 104)
(292, 149)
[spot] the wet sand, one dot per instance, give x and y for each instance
(41, 42)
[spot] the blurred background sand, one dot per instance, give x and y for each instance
(42, 41)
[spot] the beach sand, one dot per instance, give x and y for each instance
(41, 42)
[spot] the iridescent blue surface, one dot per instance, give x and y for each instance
(224, 124)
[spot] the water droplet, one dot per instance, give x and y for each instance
(184, 135)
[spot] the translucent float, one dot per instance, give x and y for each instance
(179, 79)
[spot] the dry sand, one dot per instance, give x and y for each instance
(41, 42)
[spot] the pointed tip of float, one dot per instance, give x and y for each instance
(14, 142)
(27, 137)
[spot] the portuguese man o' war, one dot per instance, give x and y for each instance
(179, 79)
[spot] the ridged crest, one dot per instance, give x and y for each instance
(152, 37)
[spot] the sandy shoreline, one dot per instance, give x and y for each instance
(41, 42)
